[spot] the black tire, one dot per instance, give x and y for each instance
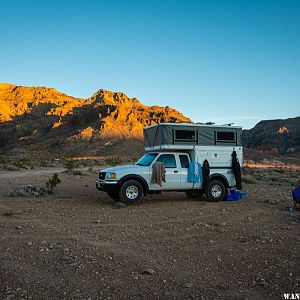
(131, 191)
(195, 194)
(216, 191)
(114, 195)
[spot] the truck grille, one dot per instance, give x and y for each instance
(102, 175)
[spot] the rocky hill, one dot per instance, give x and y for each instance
(277, 136)
(106, 123)
(45, 118)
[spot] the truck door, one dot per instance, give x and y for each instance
(172, 173)
(184, 166)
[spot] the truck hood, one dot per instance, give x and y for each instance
(128, 168)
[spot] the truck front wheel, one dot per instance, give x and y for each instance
(216, 191)
(131, 191)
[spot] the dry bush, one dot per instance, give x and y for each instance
(70, 164)
(52, 183)
(113, 160)
(274, 178)
(248, 179)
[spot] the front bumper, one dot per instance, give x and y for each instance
(105, 185)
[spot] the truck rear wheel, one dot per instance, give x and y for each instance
(131, 191)
(216, 191)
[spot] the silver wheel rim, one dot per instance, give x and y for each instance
(216, 191)
(132, 192)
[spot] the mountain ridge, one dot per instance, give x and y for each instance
(45, 116)
(279, 136)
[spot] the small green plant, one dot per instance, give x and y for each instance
(52, 183)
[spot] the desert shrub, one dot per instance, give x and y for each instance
(43, 162)
(248, 179)
(77, 173)
(113, 160)
(293, 182)
(8, 213)
(21, 163)
(274, 178)
(69, 164)
(52, 183)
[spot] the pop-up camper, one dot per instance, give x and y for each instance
(186, 136)
(195, 158)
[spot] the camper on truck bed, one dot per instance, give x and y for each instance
(195, 158)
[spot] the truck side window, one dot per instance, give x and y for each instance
(184, 161)
(168, 160)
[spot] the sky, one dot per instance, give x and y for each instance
(221, 61)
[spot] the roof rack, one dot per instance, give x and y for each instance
(229, 124)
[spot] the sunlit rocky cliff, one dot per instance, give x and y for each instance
(45, 117)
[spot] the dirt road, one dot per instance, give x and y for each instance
(75, 245)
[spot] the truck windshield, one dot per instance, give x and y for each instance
(147, 159)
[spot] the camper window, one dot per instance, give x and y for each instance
(185, 135)
(184, 161)
(227, 136)
(168, 160)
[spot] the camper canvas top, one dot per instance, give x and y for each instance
(194, 124)
(186, 136)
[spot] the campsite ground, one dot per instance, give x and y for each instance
(74, 244)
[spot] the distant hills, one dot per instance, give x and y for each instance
(279, 136)
(49, 119)
(106, 123)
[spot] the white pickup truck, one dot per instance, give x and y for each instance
(130, 182)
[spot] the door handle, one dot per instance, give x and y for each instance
(175, 171)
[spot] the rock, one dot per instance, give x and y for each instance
(221, 224)
(75, 264)
(20, 192)
(119, 204)
(188, 284)
(148, 272)
(29, 244)
(10, 297)
(29, 188)
(18, 227)
(220, 229)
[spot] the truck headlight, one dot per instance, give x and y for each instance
(111, 175)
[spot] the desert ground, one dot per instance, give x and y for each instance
(73, 244)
